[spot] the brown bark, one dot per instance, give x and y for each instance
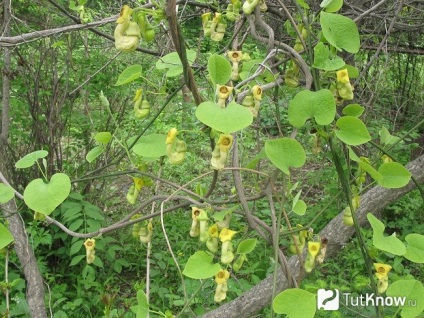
(373, 201)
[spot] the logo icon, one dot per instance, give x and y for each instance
(328, 299)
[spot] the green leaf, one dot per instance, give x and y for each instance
(412, 291)
(173, 63)
(76, 259)
(94, 153)
(370, 170)
(219, 69)
(143, 305)
(307, 104)
(29, 160)
(340, 31)
(324, 60)
(394, 175)
(331, 5)
(76, 247)
(232, 118)
(6, 193)
(199, 266)
(45, 197)
(261, 155)
(390, 244)
(352, 131)
(151, 146)
(246, 246)
(415, 248)
(285, 153)
(352, 71)
(295, 303)
(303, 4)
(298, 206)
(386, 138)
(354, 110)
(103, 137)
(220, 215)
(131, 73)
(5, 236)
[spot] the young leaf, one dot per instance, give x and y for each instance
(285, 153)
(352, 131)
(298, 205)
(331, 5)
(143, 305)
(232, 118)
(354, 110)
(340, 31)
(5, 236)
(290, 300)
(390, 244)
(6, 193)
(45, 197)
(94, 153)
(386, 138)
(307, 104)
(323, 59)
(246, 246)
(103, 137)
(415, 248)
(29, 160)
(173, 63)
(131, 73)
(394, 175)
(199, 266)
(219, 69)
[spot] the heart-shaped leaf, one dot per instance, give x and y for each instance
(340, 31)
(307, 104)
(354, 110)
(323, 60)
(415, 248)
(103, 137)
(352, 131)
(285, 153)
(411, 291)
(6, 193)
(151, 146)
(246, 246)
(289, 301)
(5, 236)
(199, 266)
(29, 160)
(386, 138)
(131, 73)
(45, 197)
(298, 205)
(394, 175)
(389, 244)
(219, 69)
(232, 118)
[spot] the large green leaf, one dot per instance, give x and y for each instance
(131, 73)
(6, 193)
(415, 248)
(394, 175)
(411, 291)
(352, 131)
(29, 160)
(307, 104)
(232, 118)
(324, 60)
(340, 31)
(285, 153)
(199, 266)
(219, 69)
(295, 303)
(45, 197)
(5, 236)
(389, 244)
(151, 146)
(173, 63)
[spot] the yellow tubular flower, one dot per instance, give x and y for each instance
(170, 138)
(124, 14)
(313, 248)
(90, 244)
(224, 142)
(382, 270)
(235, 56)
(226, 235)
(222, 276)
(257, 92)
(223, 91)
(213, 231)
(382, 285)
(342, 76)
